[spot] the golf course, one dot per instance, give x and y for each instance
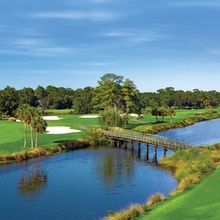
(199, 201)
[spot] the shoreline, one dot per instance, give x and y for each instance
(39, 152)
(30, 153)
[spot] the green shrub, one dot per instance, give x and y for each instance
(145, 129)
(95, 138)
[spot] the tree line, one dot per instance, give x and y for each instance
(112, 91)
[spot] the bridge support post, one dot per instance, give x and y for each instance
(139, 150)
(165, 152)
(118, 143)
(125, 145)
(113, 142)
(132, 145)
(147, 152)
(155, 154)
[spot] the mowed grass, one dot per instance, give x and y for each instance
(202, 202)
(180, 115)
(12, 133)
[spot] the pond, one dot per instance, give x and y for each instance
(83, 184)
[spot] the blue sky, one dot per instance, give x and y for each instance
(71, 43)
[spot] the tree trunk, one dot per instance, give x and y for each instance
(36, 142)
(32, 141)
(25, 135)
(171, 120)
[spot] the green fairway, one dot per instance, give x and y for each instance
(12, 133)
(180, 115)
(202, 202)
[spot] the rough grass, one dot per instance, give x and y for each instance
(154, 199)
(191, 200)
(202, 202)
(133, 211)
(189, 165)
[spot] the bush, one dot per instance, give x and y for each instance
(12, 119)
(215, 146)
(188, 121)
(95, 138)
(190, 165)
(155, 199)
(133, 211)
(71, 112)
(189, 181)
(145, 129)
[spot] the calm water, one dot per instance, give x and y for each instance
(207, 132)
(86, 184)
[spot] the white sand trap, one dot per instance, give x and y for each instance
(89, 116)
(51, 118)
(133, 115)
(60, 130)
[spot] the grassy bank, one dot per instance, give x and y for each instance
(182, 119)
(201, 202)
(191, 200)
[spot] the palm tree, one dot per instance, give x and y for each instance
(171, 112)
(33, 113)
(22, 116)
(39, 125)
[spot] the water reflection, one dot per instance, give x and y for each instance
(89, 183)
(115, 164)
(32, 181)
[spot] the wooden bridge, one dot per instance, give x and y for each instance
(122, 138)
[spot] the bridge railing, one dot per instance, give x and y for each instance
(150, 139)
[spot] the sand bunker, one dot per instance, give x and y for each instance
(89, 116)
(133, 115)
(50, 118)
(60, 130)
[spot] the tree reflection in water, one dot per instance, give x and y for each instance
(32, 181)
(116, 165)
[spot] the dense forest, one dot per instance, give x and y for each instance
(112, 91)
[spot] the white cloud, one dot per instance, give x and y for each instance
(137, 36)
(27, 42)
(197, 3)
(39, 51)
(53, 51)
(38, 47)
(76, 15)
